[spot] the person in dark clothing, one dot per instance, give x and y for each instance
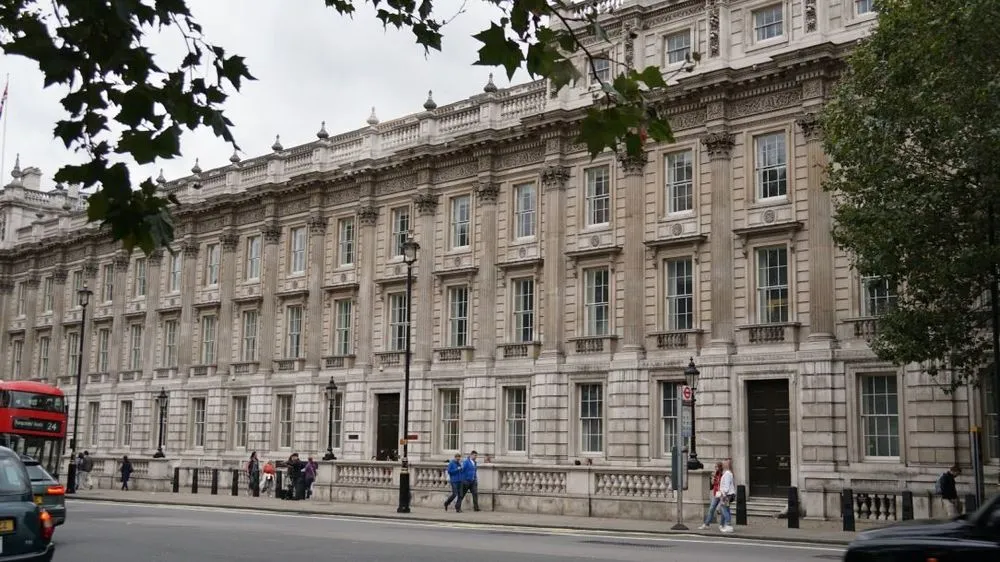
(471, 480)
(126, 472)
(253, 473)
(949, 491)
(296, 477)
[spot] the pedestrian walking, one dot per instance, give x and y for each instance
(470, 480)
(726, 495)
(309, 474)
(296, 478)
(126, 472)
(268, 478)
(253, 474)
(78, 461)
(713, 506)
(946, 488)
(455, 478)
(84, 470)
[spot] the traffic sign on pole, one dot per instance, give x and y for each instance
(687, 393)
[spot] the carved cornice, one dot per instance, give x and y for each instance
(317, 224)
(812, 127)
(719, 145)
(633, 165)
(59, 275)
(229, 240)
(426, 203)
(487, 192)
(555, 177)
(271, 231)
(367, 215)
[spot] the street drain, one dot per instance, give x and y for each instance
(627, 543)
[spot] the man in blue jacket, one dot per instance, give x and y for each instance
(471, 480)
(456, 478)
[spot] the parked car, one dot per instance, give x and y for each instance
(968, 537)
(49, 493)
(26, 528)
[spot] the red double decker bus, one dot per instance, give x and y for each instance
(33, 418)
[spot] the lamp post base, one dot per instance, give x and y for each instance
(679, 527)
(329, 456)
(404, 491)
(159, 454)
(71, 476)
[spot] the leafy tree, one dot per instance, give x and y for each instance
(94, 49)
(914, 131)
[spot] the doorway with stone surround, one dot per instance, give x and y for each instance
(769, 460)
(387, 426)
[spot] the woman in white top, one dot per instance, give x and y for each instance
(727, 495)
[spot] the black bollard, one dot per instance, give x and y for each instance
(279, 492)
(177, 479)
(970, 503)
(194, 480)
(741, 505)
(793, 508)
(847, 509)
(235, 485)
(215, 481)
(907, 505)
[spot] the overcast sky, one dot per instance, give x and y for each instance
(311, 65)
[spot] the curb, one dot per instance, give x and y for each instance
(417, 517)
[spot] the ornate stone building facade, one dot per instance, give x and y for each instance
(557, 299)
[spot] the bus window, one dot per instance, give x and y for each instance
(32, 401)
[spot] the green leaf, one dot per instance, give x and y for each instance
(498, 50)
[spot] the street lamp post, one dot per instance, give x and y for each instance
(331, 398)
(691, 374)
(410, 248)
(163, 422)
(84, 299)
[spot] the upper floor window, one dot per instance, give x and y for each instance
(47, 294)
(21, 298)
(458, 316)
(597, 301)
(768, 22)
(108, 282)
(680, 294)
(877, 296)
(103, 350)
(397, 322)
(598, 195)
(524, 309)
(253, 258)
(342, 341)
(73, 352)
(679, 47)
(44, 345)
(680, 182)
(460, 221)
(174, 278)
(880, 415)
(772, 285)
(77, 281)
(771, 165)
(135, 348)
(345, 242)
(862, 7)
(524, 210)
(213, 256)
(139, 289)
(400, 229)
(601, 71)
(208, 325)
(170, 343)
(297, 259)
(249, 347)
(16, 356)
(293, 345)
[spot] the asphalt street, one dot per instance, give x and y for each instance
(130, 532)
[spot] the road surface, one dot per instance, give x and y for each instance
(116, 532)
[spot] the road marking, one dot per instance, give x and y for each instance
(507, 528)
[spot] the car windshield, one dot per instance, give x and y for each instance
(37, 473)
(13, 480)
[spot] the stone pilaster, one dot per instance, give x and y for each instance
(367, 219)
(57, 366)
(188, 350)
(426, 203)
(6, 305)
(486, 339)
(30, 319)
(821, 246)
(553, 336)
(317, 266)
(87, 330)
(720, 147)
(154, 262)
(118, 333)
(271, 233)
(229, 241)
(634, 170)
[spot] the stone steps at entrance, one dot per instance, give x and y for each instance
(765, 507)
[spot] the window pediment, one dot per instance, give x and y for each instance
(694, 241)
(779, 229)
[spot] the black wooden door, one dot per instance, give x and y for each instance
(387, 427)
(769, 442)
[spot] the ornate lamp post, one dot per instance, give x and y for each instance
(84, 299)
(331, 398)
(163, 423)
(691, 374)
(410, 248)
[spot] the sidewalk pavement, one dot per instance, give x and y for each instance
(816, 532)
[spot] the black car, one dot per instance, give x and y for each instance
(967, 538)
(25, 528)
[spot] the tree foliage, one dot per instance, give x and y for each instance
(914, 131)
(119, 100)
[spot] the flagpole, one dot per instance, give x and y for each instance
(3, 143)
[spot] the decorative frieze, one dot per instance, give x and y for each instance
(340, 195)
(250, 216)
(523, 158)
(426, 202)
(59, 275)
(458, 171)
(294, 207)
(719, 144)
(398, 184)
(368, 215)
(555, 177)
(764, 104)
(487, 192)
(713, 29)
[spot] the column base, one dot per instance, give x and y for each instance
(820, 341)
(719, 347)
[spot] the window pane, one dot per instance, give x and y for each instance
(771, 166)
(880, 415)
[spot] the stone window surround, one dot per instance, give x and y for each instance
(340, 221)
(855, 434)
(740, 427)
(437, 387)
(212, 249)
(677, 253)
(977, 409)
(510, 324)
(244, 258)
(191, 411)
(750, 165)
(750, 43)
(502, 384)
(338, 444)
(333, 295)
(387, 314)
(161, 328)
(662, 197)
(275, 438)
(583, 214)
(750, 260)
(511, 187)
(574, 434)
(290, 229)
(658, 456)
(607, 54)
(120, 434)
(446, 318)
(230, 435)
(853, 19)
(450, 246)
(139, 284)
(390, 248)
(691, 27)
(581, 267)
